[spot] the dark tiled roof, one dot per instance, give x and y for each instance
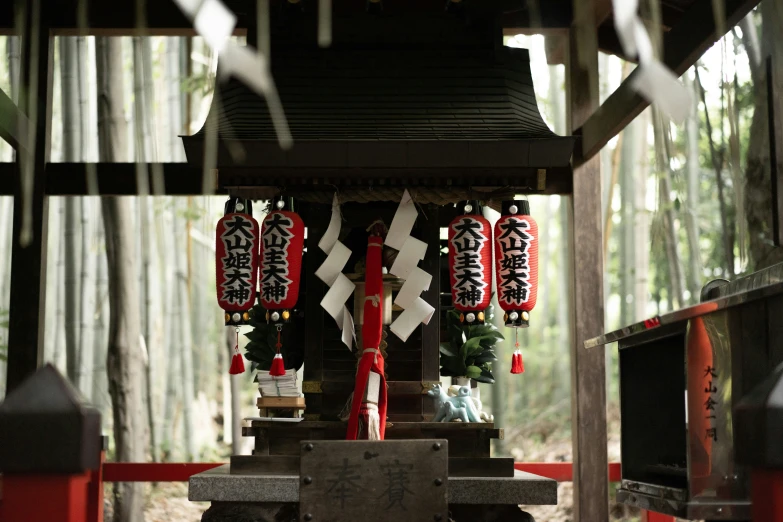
(393, 96)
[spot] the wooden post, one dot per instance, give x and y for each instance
(430, 333)
(65, 494)
(95, 488)
(775, 121)
(28, 263)
(588, 382)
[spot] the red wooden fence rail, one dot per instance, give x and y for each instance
(181, 472)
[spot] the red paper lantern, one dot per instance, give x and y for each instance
(282, 243)
(236, 261)
(470, 264)
(516, 262)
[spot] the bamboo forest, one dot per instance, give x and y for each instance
(682, 204)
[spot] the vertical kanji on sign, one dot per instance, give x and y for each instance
(282, 242)
(516, 262)
(470, 265)
(236, 261)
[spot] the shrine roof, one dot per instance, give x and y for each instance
(349, 108)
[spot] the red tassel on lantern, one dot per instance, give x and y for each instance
(516, 262)
(278, 368)
(236, 261)
(517, 366)
(470, 264)
(237, 362)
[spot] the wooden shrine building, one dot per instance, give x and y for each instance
(409, 94)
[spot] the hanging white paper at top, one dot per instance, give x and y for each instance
(250, 67)
(652, 79)
(215, 23)
(189, 7)
(402, 223)
(624, 17)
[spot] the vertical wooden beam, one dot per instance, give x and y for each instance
(775, 120)
(588, 382)
(430, 334)
(317, 219)
(28, 263)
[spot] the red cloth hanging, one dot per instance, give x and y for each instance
(470, 262)
(236, 261)
(516, 262)
(282, 244)
(372, 330)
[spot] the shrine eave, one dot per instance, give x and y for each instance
(464, 155)
(119, 17)
(181, 179)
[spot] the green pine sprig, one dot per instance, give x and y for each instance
(470, 351)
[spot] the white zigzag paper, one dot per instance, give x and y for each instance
(411, 251)
(331, 273)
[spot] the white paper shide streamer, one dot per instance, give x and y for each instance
(653, 80)
(331, 273)
(411, 250)
(215, 23)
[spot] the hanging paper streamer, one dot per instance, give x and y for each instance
(236, 261)
(651, 79)
(470, 264)
(516, 262)
(215, 23)
(411, 251)
(331, 273)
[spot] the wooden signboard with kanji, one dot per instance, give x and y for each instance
(388, 480)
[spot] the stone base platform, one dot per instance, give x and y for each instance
(259, 498)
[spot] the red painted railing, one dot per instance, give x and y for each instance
(562, 471)
(181, 472)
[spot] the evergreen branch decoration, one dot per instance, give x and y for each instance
(470, 351)
(263, 337)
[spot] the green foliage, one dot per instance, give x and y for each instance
(471, 350)
(263, 337)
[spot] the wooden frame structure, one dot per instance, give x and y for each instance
(691, 30)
